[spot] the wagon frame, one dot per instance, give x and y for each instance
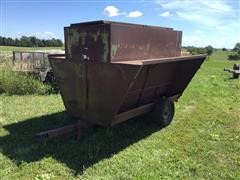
(40, 66)
(112, 72)
(81, 124)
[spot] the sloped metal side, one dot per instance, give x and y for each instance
(162, 79)
(93, 91)
(97, 92)
(185, 71)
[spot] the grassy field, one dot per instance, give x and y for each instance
(14, 48)
(203, 141)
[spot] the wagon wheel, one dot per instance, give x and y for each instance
(163, 112)
(236, 67)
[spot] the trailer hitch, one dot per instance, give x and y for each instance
(235, 71)
(77, 127)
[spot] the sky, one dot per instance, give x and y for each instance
(203, 22)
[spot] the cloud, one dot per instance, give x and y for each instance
(217, 19)
(49, 33)
(44, 35)
(165, 14)
(111, 11)
(134, 14)
(224, 37)
(216, 5)
(197, 32)
(193, 40)
(202, 40)
(206, 13)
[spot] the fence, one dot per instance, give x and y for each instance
(30, 61)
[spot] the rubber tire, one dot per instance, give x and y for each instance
(236, 67)
(163, 112)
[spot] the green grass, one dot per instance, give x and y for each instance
(221, 55)
(203, 141)
(15, 48)
(18, 83)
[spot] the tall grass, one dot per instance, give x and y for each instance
(17, 83)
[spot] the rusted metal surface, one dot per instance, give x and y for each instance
(87, 42)
(133, 42)
(132, 113)
(98, 92)
(75, 127)
(107, 41)
(116, 71)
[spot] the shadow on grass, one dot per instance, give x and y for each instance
(97, 143)
(230, 78)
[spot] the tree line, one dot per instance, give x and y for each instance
(199, 50)
(209, 50)
(30, 41)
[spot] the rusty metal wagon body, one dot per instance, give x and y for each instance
(112, 72)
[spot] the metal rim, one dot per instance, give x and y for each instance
(166, 112)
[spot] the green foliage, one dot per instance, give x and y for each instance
(236, 55)
(209, 50)
(198, 50)
(224, 49)
(31, 41)
(220, 55)
(20, 84)
(236, 47)
(9, 49)
(194, 50)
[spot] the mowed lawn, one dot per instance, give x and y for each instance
(203, 141)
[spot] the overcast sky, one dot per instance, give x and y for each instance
(205, 22)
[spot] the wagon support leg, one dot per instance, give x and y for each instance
(65, 130)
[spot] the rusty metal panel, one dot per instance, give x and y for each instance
(97, 92)
(106, 41)
(135, 42)
(112, 68)
(87, 42)
(93, 91)
(158, 80)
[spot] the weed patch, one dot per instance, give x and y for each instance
(17, 83)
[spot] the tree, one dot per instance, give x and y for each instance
(25, 41)
(236, 47)
(209, 50)
(31, 41)
(224, 49)
(195, 50)
(236, 55)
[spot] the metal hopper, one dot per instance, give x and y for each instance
(115, 71)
